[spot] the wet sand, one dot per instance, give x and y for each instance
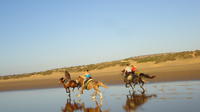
(180, 96)
(165, 72)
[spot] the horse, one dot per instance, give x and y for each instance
(92, 84)
(134, 100)
(69, 83)
(133, 79)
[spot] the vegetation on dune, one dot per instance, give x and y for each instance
(17, 76)
(156, 58)
(197, 53)
(70, 69)
(98, 66)
(14, 76)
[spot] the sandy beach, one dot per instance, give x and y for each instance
(179, 70)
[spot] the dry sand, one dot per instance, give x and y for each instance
(179, 70)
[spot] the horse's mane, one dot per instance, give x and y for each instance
(67, 75)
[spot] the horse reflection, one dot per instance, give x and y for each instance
(80, 107)
(71, 107)
(134, 101)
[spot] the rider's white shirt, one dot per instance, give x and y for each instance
(128, 69)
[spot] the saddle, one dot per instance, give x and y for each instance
(131, 77)
(87, 82)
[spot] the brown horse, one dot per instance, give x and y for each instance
(134, 101)
(69, 84)
(91, 85)
(133, 79)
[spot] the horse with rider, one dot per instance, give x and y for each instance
(85, 81)
(133, 77)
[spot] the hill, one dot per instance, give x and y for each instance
(155, 58)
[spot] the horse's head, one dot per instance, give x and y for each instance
(153, 76)
(80, 79)
(61, 80)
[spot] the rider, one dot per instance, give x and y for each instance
(133, 69)
(127, 70)
(87, 76)
(135, 72)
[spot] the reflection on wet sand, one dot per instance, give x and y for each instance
(77, 106)
(71, 106)
(133, 101)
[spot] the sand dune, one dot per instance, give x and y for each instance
(185, 69)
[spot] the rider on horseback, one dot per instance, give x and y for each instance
(130, 70)
(133, 71)
(86, 75)
(127, 71)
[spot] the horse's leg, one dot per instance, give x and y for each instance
(67, 90)
(134, 85)
(69, 94)
(129, 92)
(78, 86)
(94, 94)
(98, 92)
(126, 85)
(131, 86)
(141, 86)
(81, 92)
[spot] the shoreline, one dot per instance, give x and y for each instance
(115, 84)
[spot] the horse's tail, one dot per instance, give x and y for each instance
(147, 76)
(102, 84)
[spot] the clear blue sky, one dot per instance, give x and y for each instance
(37, 35)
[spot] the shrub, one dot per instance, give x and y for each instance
(197, 53)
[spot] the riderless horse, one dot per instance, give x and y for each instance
(69, 83)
